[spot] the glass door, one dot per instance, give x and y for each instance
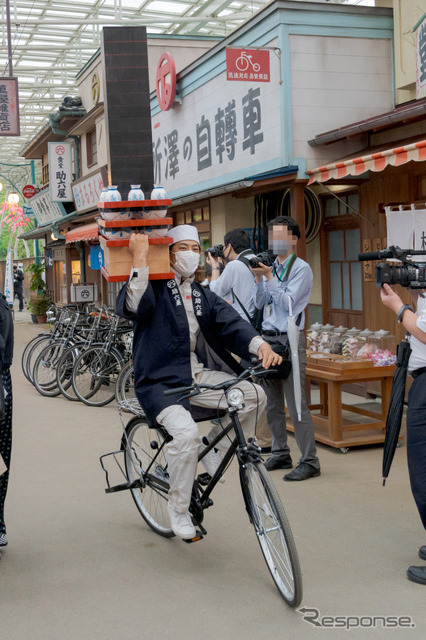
(342, 245)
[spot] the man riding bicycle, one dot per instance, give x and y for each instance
(185, 334)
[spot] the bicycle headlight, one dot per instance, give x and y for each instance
(235, 397)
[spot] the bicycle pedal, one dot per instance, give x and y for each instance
(204, 478)
(198, 536)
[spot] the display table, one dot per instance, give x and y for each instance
(330, 426)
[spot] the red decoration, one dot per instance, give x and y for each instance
(29, 191)
(248, 65)
(166, 82)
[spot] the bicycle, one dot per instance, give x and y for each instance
(96, 369)
(244, 61)
(146, 474)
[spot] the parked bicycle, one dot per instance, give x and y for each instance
(145, 469)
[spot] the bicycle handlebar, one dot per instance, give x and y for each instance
(256, 370)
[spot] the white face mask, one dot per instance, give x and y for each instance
(186, 262)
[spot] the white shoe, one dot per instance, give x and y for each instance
(212, 460)
(181, 523)
(3, 540)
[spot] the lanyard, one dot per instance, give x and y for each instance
(282, 277)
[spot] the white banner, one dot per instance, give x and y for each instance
(400, 228)
(60, 171)
(419, 217)
(421, 60)
(8, 281)
(44, 209)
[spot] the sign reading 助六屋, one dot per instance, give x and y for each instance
(60, 171)
(9, 107)
(221, 130)
(421, 60)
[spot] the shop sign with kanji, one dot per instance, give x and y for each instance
(9, 107)
(87, 192)
(44, 209)
(247, 65)
(421, 60)
(222, 131)
(60, 171)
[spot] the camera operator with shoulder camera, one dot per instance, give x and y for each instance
(236, 280)
(288, 280)
(415, 324)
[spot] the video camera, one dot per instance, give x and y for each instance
(411, 275)
(216, 251)
(265, 257)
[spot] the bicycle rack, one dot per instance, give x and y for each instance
(136, 484)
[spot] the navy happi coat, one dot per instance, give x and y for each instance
(161, 349)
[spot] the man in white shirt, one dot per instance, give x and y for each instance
(236, 282)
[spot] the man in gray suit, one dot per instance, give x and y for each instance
(288, 281)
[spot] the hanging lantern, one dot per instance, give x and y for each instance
(13, 198)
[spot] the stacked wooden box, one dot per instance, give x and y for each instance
(118, 259)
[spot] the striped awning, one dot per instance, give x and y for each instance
(373, 162)
(84, 232)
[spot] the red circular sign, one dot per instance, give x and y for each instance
(29, 191)
(60, 150)
(166, 82)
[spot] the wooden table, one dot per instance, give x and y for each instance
(330, 426)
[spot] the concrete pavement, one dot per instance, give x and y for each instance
(82, 564)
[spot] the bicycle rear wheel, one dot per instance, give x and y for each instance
(33, 353)
(141, 445)
(27, 350)
(273, 532)
(94, 376)
(44, 374)
(64, 372)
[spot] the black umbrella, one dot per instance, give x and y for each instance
(396, 406)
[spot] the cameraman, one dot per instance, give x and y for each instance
(415, 323)
(236, 280)
(290, 278)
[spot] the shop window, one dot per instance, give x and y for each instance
(45, 175)
(75, 271)
(345, 270)
(92, 148)
(334, 207)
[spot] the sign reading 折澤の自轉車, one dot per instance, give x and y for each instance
(221, 129)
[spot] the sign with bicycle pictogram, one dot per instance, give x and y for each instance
(247, 65)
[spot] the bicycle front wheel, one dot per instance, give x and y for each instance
(273, 532)
(95, 375)
(141, 444)
(125, 387)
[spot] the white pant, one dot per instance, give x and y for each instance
(183, 450)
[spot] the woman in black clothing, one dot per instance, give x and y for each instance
(6, 354)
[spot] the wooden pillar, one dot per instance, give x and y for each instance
(297, 209)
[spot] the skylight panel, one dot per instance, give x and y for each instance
(162, 6)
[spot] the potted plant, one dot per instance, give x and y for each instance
(39, 303)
